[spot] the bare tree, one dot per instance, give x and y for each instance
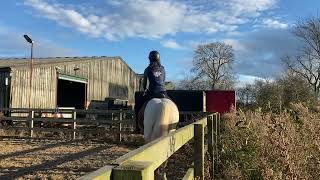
(214, 62)
(193, 83)
(307, 63)
(246, 94)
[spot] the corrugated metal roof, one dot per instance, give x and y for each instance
(11, 62)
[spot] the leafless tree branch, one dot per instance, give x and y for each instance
(213, 61)
(307, 63)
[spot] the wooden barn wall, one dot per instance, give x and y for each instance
(111, 78)
(106, 78)
(43, 87)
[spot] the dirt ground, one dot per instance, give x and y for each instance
(181, 161)
(58, 159)
(44, 159)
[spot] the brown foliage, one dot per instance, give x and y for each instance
(260, 145)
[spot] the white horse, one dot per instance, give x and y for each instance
(160, 117)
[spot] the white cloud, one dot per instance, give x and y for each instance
(234, 33)
(171, 44)
(250, 6)
(236, 45)
(275, 24)
(247, 79)
(153, 19)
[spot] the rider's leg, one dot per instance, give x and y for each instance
(136, 111)
(144, 99)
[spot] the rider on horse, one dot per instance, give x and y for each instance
(159, 115)
(155, 74)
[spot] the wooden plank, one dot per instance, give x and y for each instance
(199, 151)
(126, 121)
(74, 125)
(218, 137)
(189, 175)
(31, 123)
(192, 112)
(67, 130)
(210, 128)
(120, 119)
(215, 143)
(134, 170)
(162, 148)
(103, 111)
(79, 111)
(103, 173)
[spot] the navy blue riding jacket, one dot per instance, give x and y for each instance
(156, 76)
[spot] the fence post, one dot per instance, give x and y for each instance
(198, 151)
(74, 125)
(211, 143)
(120, 119)
(215, 143)
(218, 138)
(31, 123)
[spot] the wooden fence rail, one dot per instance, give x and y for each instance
(141, 163)
(117, 118)
(79, 111)
(29, 118)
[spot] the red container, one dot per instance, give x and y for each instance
(220, 101)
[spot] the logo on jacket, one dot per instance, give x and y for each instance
(157, 74)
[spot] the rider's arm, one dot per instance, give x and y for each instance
(144, 81)
(164, 76)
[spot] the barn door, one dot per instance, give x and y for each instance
(71, 91)
(5, 82)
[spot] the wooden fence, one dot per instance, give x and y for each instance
(120, 120)
(74, 121)
(141, 163)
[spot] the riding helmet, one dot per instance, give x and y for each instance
(154, 56)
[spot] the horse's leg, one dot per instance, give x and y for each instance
(163, 168)
(160, 173)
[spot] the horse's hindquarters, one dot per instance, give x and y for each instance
(159, 116)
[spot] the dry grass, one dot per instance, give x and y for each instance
(259, 145)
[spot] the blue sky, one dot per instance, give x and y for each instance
(258, 30)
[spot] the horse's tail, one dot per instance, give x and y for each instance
(164, 118)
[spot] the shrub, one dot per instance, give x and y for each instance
(259, 145)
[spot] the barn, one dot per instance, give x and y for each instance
(65, 81)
